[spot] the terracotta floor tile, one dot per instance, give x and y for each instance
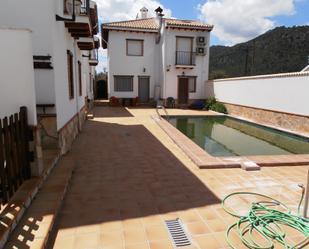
(88, 240)
(157, 233)
(135, 177)
(197, 228)
(112, 239)
(217, 225)
(161, 244)
(189, 216)
(111, 226)
(207, 241)
(66, 242)
(93, 228)
(154, 220)
(138, 246)
(134, 235)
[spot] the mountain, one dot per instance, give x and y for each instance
(281, 50)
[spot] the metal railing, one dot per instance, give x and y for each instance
(161, 106)
(185, 58)
(84, 8)
(82, 11)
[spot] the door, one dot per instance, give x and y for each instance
(183, 91)
(143, 89)
(102, 89)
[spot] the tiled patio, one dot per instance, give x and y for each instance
(130, 177)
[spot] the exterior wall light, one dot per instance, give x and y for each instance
(73, 7)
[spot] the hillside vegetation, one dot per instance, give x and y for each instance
(283, 49)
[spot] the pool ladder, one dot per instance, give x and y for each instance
(161, 106)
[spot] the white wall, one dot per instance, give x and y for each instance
(38, 17)
(170, 88)
(121, 64)
(16, 73)
(156, 59)
(63, 41)
(49, 38)
(283, 92)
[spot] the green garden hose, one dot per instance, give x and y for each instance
(268, 223)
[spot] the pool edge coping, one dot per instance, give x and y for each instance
(203, 160)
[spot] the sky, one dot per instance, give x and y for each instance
(234, 21)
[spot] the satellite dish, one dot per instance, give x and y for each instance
(69, 6)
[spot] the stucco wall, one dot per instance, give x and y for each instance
(283, 93)
(121, 64)
(170, 87)
(16, 73)
(49, 37)
(36, 16)
(156, 60)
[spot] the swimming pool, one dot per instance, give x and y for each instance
(224, 136)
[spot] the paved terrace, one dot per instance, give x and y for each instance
(130, 176)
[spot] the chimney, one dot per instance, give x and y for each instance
(159, 11)
(159, 20)
(144, 12)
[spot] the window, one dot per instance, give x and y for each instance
(80, 78)
(123, 83)
(70, 74)
(192, 84)
(135, 47)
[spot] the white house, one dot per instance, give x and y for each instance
(64, 59)
(152, 58)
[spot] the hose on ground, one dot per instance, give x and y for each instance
(264, 225)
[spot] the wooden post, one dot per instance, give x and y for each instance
(25, 139)
(3, 177)
(7, 149)
(13, 153)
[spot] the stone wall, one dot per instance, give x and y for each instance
(287, 121)
(69, 132)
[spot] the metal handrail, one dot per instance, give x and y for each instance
(164, 109)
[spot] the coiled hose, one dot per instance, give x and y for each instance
(268, 223)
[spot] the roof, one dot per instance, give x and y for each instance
(177, 23)
(151, 24)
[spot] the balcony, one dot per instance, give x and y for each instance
(94, 20)
(93, 57)
(185, 59)
(81, 27)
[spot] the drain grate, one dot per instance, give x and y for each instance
(178, 233)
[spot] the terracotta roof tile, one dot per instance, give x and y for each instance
(152, 25)
(147, 23)
(187, 24)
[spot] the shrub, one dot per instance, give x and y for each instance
(218, 107)
(209, 102)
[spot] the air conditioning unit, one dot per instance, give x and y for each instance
(201, 41)
(200, 51)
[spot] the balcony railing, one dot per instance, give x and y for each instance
(82, 11)
(84, 8)
(185, 58)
